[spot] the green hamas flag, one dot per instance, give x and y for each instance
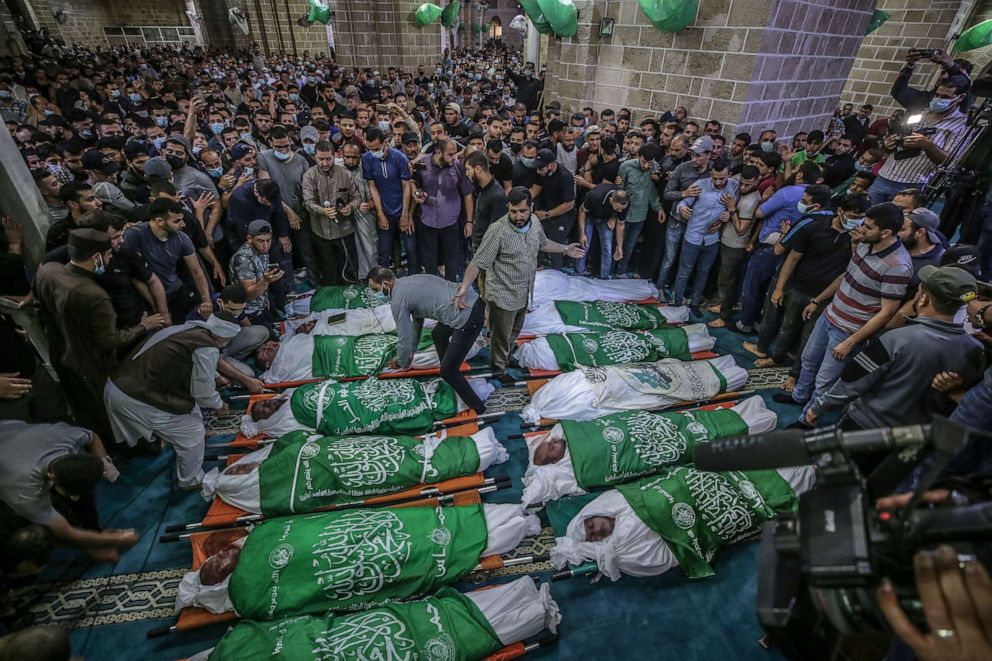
(610, 316)
(624, 446)
(305, 473)
(344, 297)
(339, 356)
(387, 406)
(618, 346)
(696, 512)
(352, 560)
(445, 627)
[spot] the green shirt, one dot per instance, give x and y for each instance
(640, 188)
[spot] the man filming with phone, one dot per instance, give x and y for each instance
(924, 140)
(250, 267)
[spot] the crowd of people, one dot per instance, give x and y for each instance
(193, 192)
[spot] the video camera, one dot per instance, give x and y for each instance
(908, 125)
(820, 566)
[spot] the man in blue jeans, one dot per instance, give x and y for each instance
(865, 297)
(775, 217)
(682, 184)
(603, 209)
(388, 172)
(705, 214)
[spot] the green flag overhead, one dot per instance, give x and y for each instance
(975, 37)
(354, 559)
(533, 10)
(877, 19)
(386, 406)
(621, 447)
(345, 297)
(562, 15)
(670, 15)
(427, 13)
(610, 316)
(304, 473)
(320, 12)
(445, 626)
(477, 28)
(615, 347)
(449, 17)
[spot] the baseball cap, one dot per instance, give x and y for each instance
(350, 90)
(309, 133)
(545, 157)
(239, 150)
(259, 227)
(454, 106)
(963, 257)
(99, 162)
(157, 167)
(948, 284)
(703, 144)
(409, 137)
(928, 220)
(593, 129)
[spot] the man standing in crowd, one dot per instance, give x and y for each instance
(733, 243)
(330, 196)
(363, 212)
(443, 193)
(508, 253)
(555, 205)
(679, 187)
(602, 214)
(285, 166)
(634, 178)
(388, 172)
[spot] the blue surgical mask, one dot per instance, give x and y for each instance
(940, 105)
(282, 156)
(528, 162)
(862, 168)
(161, 121)
(379, 154)
(135, 97)
(246, 136)
(216, 128)
(310, 148)
(851, 223)
(197, 150)
(294, 96)
(767, 146)
(384, 126)
(115, 94)
(158, 142)
(521, 230)
(216, 173)
(804, 208)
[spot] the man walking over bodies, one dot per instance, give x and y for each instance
(508, 254)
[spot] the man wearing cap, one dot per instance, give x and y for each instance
(888, 383)
(555, 204)
(251, 268)
(103, 172)
(681, 185)
(410, 144)
(922, 238)
(309, 137)
(161, 386)
(453, 124)
(329, 198)
(81, 325)
(443, 193)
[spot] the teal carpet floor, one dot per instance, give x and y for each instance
(111, 608)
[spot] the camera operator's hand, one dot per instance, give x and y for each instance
(916, 141)
(957, 601)
(913, 56)
(890, 142)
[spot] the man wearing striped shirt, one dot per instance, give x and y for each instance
(865, 297)
(936, 137)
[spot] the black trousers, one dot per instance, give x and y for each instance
(452, 345)
(559, 229)
(335, 260)
(445, 242)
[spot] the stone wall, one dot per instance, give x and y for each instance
(743, 62)
(85, 19)
(379, 33)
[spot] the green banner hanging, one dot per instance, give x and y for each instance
(974, 37)
(877, 19)
(533, 10)
(477, 28)
(562, 15)
(670, 15)
(427, 13)
(449, 17)
(320, 12)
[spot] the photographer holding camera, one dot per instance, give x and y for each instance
(925, 138)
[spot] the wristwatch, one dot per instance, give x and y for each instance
(979, 319)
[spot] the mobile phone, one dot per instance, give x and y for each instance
(272, 268)
(420, 166)
(381, 107)
(925, 53)
(336, 318)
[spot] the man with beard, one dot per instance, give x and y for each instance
(508, 253)
(133, 182)
(567, 155)
(556, 203)
(839, 166)
(528, 87)
(500, 165)
(78, 198)
(366, 231)
(387, 171)
(490, 203)
(329, 196)
(443, 193)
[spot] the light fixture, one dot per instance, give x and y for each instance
(606, 27)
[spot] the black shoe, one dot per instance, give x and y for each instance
(785, 398)
(799, 424)
(738, 328)
(696, 313)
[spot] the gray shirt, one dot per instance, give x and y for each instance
(418, 297)
(27, 452)
(288, 175)
(681, 178)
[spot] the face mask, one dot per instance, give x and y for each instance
(941, 105)
(515, 147)
(216, 128)
(86, 134)
(521, 230)
(310, 148)
(175, 162)
(379, 153)
(862, 168)
(135, 97)
(767, 146)
(216, 173)
(115, 94)
(528, 162)
(5, 94)
(282, 156)
(161, 122)
(158, 142)
(197, 150)
(804, 208)
(100, 267)
(294, 96)
(249, 170)
(384, 126)
(850, 223)
(48, 112)
(245, 136)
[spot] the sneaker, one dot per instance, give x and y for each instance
(738, 327)
(301, 274)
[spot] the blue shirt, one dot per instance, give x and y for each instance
(243, 207)
(706, 210)
(388, 173)
(162, 256)
(780, 207)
